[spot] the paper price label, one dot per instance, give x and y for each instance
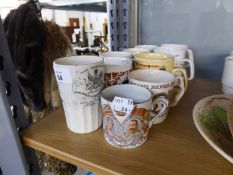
(122, 104)
(63, 75)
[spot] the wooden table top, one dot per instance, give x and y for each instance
(174, 147)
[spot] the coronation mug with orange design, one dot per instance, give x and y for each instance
(159, 61)
(128, 129)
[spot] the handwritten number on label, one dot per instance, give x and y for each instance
(124, 109)
(130, 102)
(63, 75)
(122, 104)
(59, 77)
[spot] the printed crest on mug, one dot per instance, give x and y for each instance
(80, 81)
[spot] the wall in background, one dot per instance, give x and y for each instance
(207, 26)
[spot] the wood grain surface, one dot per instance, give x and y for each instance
(174, 147)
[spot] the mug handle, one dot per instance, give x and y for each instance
(191, 66)
(181, 92)
(190, 53)
(165, 105)
(184, 73)
(183, 84)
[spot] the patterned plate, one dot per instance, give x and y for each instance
(216, 141)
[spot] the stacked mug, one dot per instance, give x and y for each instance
(93, 92)
(183, 56)
(181, 53)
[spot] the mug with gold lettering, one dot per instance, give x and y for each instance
(159, 61)
(161, 84)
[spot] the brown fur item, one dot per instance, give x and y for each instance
(25, 37)
(56, 45)
(34, 45)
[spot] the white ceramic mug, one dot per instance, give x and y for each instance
(231, 53)
(182, 46)
(134, 51)
(227, 77)
(227, 89)
(150, 48)
(161, 84)
(116, 54)
(178, 54)
(80, 81)
(116, 70)
(126, 129)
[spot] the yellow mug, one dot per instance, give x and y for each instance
(160, 61)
